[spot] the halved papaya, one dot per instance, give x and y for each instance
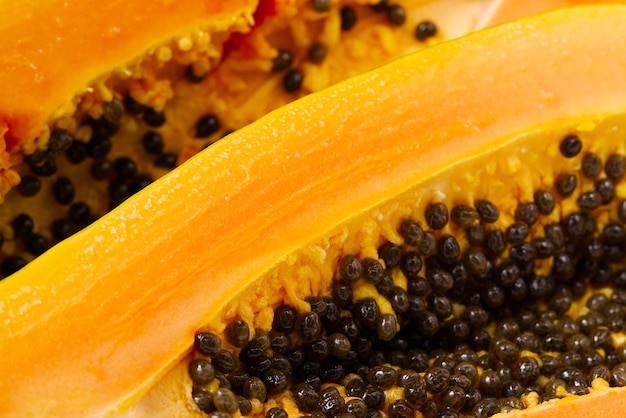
(80, 134)
(517, 116)
(99, 103)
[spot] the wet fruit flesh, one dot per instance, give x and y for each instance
(374, 182)
(387, 225)
(123, 116)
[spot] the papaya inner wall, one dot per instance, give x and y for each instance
(37, 62)
(251, 197)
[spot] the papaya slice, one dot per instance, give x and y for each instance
(264, 216)
(78, 100)
(97, 106)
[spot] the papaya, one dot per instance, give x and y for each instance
(443, 236)
(99, 103)
(97, 106)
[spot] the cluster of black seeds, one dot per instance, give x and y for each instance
(120, 174)
(395, 15)
(510, 340)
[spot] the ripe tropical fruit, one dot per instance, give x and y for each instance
(520, 204)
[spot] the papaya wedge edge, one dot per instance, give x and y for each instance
(276, 186)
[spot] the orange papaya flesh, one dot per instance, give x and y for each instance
(293, 280)
(87, 306)
(146, 70)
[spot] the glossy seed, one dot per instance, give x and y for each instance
(386, 327)
(152, 142)
(275, 381)
(396, 15)
(566, 184)
(331, 403)
(338, 344)
(527, 212)
(348, 18)
(399, 299)
(570, 146)
(487, 211)
(341, 292)
(60, 229)
(436, 215)
(45, 169)
(428, 244)
(201, 371)
(400, 408)
(475, 235)
(237, 333)
(22, 225)
(154, 118)
(96, 147)
(63, 190)
(437, 379)
(589, 201)
(591, 165)
(76, 152)
(283, 60)
(390, 254)
(276, 412)
(60, 140)
(225, 400)
(306, 397)
(36, 244)
(207, 343)
(615, 167)
(464, 216)
(79, 212)
(285, 317)
(382, 376)
(124, 167)
(448, 249)
(350, 268)
(101, 168)
(224, 361)
(206, 126)
(545, 201)
(373, 271)
(476, 261)
(605, 189)
(309, 326)
(516, 232)
(29, 185)
(495, 243)
(411, 264)
(203, 400)
(317, 53)
(254, 388)
(367, 312)
(425, 30)
(411, 232)
(292, 82)
(166, 160)
(356, 408)
(440, 280)
(374, 397)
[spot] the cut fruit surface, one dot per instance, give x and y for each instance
(104, 115)
(263, 216)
